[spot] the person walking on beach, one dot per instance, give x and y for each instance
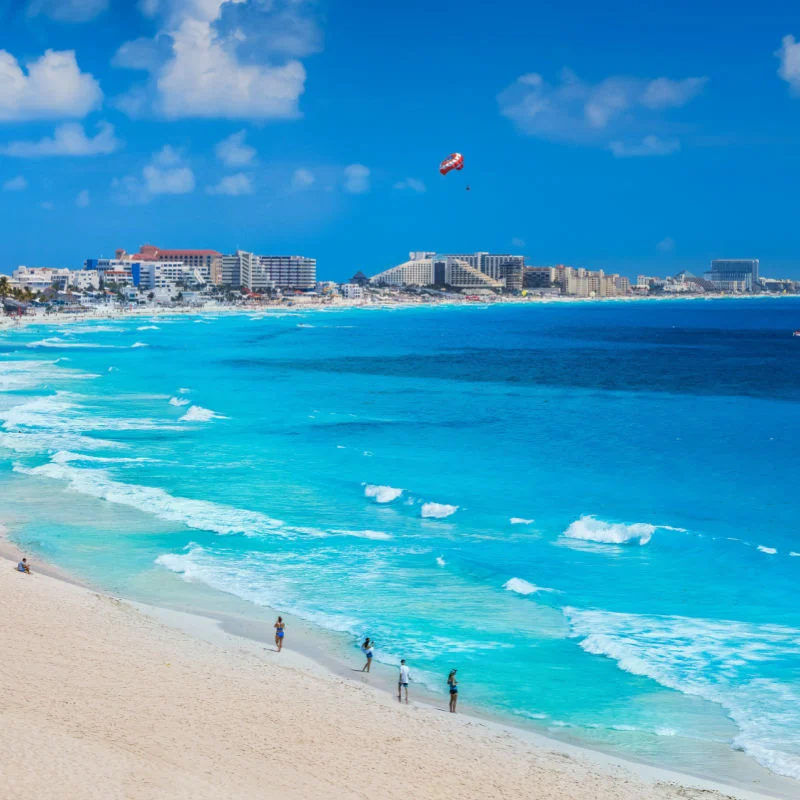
(402, 681)
(453, 684)
(367, 649)
(280, 630)
(23, 566)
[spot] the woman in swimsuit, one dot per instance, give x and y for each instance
(453, 684)
(366, 648)
(280, 630)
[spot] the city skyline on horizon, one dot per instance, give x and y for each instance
(293, 127)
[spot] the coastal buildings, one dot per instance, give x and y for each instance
(462, 271)
(290, 272)
(37, 279)
(733, 274)
(414, 272)
(151, 275)
(206, 262)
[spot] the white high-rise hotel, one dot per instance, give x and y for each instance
(470, 270)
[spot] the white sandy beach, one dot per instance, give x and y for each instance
(102, 699)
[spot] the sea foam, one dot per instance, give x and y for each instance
(200, 514)
(726, 662)
(382, 494)
(520, 521)
(178, 401)
(437, 510)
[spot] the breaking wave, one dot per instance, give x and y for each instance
(200, 414)
(591, 529)
(520, 521)
(382, 494)
(523, 587)
(437, 510)
(178, 401)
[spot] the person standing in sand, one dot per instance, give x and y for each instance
(280, 630)
(402, 681)
(453, 684)
(367, 649)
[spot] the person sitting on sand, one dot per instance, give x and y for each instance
(366, 648)
(453, 684)
(280, 630)
(402, 681)
(23, 566)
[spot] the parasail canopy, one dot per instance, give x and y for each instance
(454, 161)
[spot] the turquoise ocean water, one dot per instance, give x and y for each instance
(589, 509)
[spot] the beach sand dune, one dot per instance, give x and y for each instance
(100, 700)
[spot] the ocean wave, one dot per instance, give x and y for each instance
(184, 391)
(440, 561)
(178, 401)
(591, 529)
(67, 457)
(56, 342)
(731, 663)
(382, 494)
(520, 586)
(17, 375)
(139, 344)
(30, 442)
(437, 510)
(200, 414)
(61, 413)
(148, 328)
(241, 578)
(367, 534)
(770, 551)
(199, 514)
(521, 521)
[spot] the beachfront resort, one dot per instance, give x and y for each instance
(155, 277)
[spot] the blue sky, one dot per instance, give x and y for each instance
(631, 137)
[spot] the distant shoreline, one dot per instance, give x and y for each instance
(94, 314)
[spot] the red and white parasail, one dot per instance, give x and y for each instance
(454, 161)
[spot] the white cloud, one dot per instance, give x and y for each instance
(82, 199)
(166, 173)
(411, 183)
(211, 58)
(232, 185)
(67, 10)
(18, 184)
(666, 93)
(789, 70)
(666, 245)
(615, 113)
(53, 87)
(170, 180)
(233, 152)
(517, 242)
(649, 146)
(356, 179)
(302, 178)
(69, 139)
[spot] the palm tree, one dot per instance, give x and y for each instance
(4, 287)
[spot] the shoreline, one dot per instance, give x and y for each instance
(221, 632)
(94, 314)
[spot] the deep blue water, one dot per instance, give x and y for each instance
(589, 509)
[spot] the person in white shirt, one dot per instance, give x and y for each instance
(402, 681)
